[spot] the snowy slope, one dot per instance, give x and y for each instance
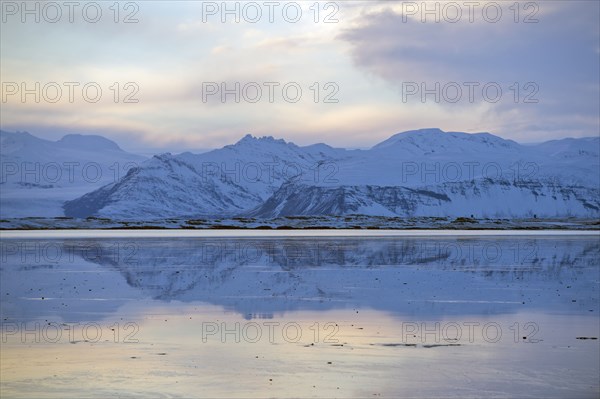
(38, 175)
(432, 173)
(431, 156)
(483, 198)
(417, 173)
(222, 182)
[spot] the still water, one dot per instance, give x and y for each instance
(440, 315)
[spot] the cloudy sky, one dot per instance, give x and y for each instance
(151, 74)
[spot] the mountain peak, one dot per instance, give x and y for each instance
(21, 136)
(247, 138)
(88, 142)
(429, 130)
(433, 139)
(420, 133)
(250, 139)
(17, 133)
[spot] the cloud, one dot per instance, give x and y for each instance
(557, 54)
(369, 53)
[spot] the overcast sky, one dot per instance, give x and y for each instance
(371, 65)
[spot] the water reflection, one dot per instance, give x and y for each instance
(326, 317)
(260, 277)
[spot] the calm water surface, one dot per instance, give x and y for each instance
(408, 316)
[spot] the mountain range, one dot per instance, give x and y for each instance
(425, 172)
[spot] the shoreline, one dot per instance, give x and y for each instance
(253, 233)
(359, 224)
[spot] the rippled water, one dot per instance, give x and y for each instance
(426, 316)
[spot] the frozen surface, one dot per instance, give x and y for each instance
(200, 314)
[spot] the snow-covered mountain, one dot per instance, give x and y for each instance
(38, 176)
(227, 181)
(424, 172)
(482, 198)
